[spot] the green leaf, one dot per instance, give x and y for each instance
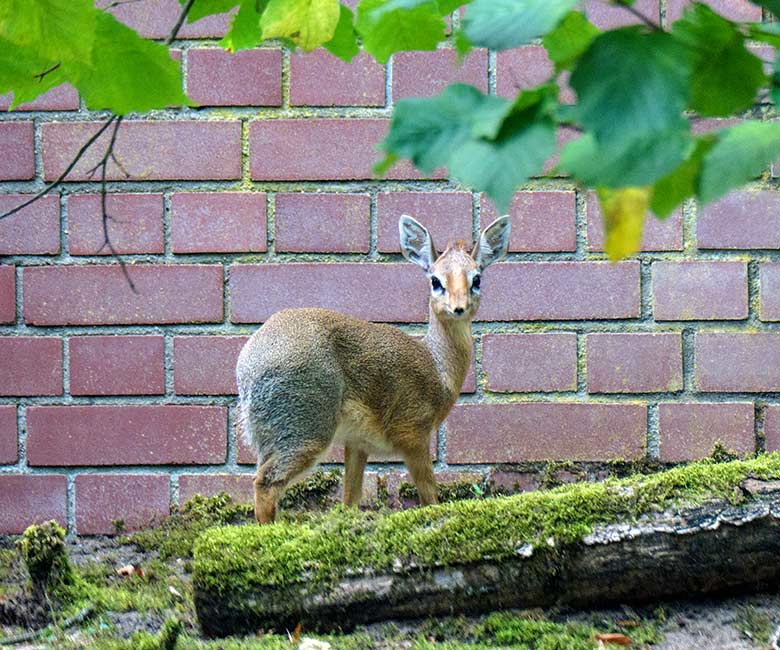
(307, 23)
(444, 7)
(504, 24)
(566, 43)
(245, 32)
(764, 32)
(725, 76)
(344, 42)
(631, 83)
(623, 211)
(740, 154)
(671, 190)
(462, 43)
(421, 28)
(202, 8)
(20, 71)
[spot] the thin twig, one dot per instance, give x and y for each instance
(179, 22)
(41, 75)
(633, 10)
(118, 3)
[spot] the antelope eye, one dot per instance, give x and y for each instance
(436, 284)
(475, 283)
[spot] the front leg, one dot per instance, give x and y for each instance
(354, 465)
(420, 465)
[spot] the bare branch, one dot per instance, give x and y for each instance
(41, 75)
(179, 22)
(118, 3)
(633, 10)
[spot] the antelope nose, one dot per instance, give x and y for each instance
(458, 310)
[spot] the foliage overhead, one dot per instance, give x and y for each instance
(641, 90)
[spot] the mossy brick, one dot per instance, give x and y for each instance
(156, 18)
(605, 16)
(423, 74)
(447, 216)
(101, 295)
(135, 500)
(162, 150)
(34, 230)
(525, 67)
(636, 362)
(530, 362)
(322, 223)
(737, 362)
(60, 98)
(737, 10)
(27, 499)
(530, 431)
(542, 221)
(215, 77)
(206, 365)
(9, 444)
(31, 365)
(7, 293)
(699, 290)
(135, 224)
(742, 219)
(690, 431)
(16, 143)
(117, 365)
(769, 280)
(218, 222)
(772, 427)
(240, 487)
(320, 79)
(142, 434)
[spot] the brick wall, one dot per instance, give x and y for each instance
(114, 405)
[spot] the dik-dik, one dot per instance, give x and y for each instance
(311, 377)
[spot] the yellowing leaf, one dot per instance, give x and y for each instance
(307, 23)
(624, 212)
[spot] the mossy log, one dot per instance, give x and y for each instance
(700, 529)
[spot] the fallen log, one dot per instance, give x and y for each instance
(698, 529)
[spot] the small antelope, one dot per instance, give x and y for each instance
(311, 377)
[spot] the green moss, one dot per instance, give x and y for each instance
(42, 548)
(315, 490)
(755, 625)
(720, 454)
(238, 560)
(511, 629)
(453, 491)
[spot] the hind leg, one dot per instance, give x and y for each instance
(354, 465)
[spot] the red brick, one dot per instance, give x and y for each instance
(117, 365)
(320, 79)
(323, 223)
(18, 160)
(690, 431)
(137, 500)
(510, 433)
(29, 499)
(206, 365)
(560, 291)
(738, 10)
(657, 235)
(216, 77)
(530, 362)
(383, 292)
(34, 230)
(737, 362)
(447, 215)
(424, 74)
(61, 98)
(772, 428)
(700, 290)
(136, 224)
(180, 150)
(7, 294)
(634, 363)
(541, 221)
(100, 295)
(126, 435)
(9, 452)
(512, 481)
(526, 67)
(700, 126)
(30, 365)
(742, 219)
(156, 18)
(317, 149)
(218, 222)
(605, 16)
(239, 486)
(769, 278)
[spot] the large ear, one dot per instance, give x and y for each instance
(493, 243)
(416, 243)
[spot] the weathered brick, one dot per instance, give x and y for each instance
(156, 18)
(530, 362)
(29, 499)
(700, 290)
(206, 365)
(606, 16)
(135, 500)
(34, 230)
(447, 215)
(772, 428)
(7, 293)
(239, 486)
(126, 435)
(218, 222)
(737, 362)
(738, 10)
(117, 365)
(16, 142)
(180, 150)
(541, 221)
(215, 77)
(135, 226)
(741, 219)
(320, 79)
(509, 481)
(323, 223)
(510, 433)
(100, 295)
(9, 451)
(657, 235)
(423, 74)
(690, 431)
(634, 363)
(61, 98)
(526, 67)
(30, 365)
(769, 278)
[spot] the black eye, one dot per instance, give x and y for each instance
(436, 284)
(475, 283)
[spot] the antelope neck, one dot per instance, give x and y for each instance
(450, 343)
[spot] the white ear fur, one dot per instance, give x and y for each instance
(416, 242)
(493, 243)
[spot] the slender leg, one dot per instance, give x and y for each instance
(354, 464)
(265, 500)
(421, 468)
